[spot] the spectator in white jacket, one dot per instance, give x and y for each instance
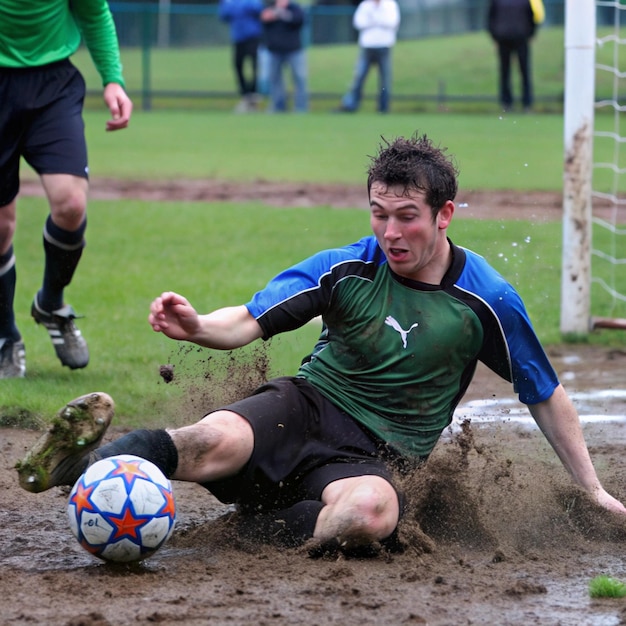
(377, 22)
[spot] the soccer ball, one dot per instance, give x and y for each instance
(122, 509)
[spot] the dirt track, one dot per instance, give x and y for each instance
(503, 204)
(496, 534)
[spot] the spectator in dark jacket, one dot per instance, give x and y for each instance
(511, 24)
(244, 19)
(282, 28)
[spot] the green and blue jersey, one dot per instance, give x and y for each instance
(397, 354)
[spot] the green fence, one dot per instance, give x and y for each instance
(174, 25)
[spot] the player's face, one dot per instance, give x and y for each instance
(414, 243)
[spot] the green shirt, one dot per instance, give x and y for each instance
(387, 356)
(38, 32)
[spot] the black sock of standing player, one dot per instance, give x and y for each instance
(63, 250)
(8, 277)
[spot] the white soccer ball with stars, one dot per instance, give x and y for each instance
(122, 509)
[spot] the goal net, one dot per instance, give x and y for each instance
(609, 172)
(593, 286)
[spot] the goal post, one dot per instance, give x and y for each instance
(580, 31)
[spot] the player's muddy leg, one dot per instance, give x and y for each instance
(61, 454)
(217, 446)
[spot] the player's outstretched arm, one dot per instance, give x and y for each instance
(559, 421)
(120, 106)
(223, 329)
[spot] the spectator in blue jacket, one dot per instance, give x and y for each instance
(282, 32)
(245, 33)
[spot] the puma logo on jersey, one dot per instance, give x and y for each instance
(390, 321)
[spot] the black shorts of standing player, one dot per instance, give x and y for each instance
(303, 442)
(41, 120)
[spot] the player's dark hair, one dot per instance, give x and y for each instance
(415, 163)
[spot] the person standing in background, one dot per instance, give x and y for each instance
(42, 96)
(512, 24)
(282, 27)
(377, 22)
(244, 18)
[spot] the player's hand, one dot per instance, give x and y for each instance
(120, 106)
(172, 315)
(607, 501)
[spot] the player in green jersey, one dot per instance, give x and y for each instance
(42, 96)
(407, 314)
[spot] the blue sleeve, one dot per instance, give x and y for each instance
(531, 372)
(304, 291)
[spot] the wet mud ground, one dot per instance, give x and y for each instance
(495, 534)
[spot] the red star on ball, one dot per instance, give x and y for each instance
(169, 508)
(81, 498)
(129, 470)
(126, 525)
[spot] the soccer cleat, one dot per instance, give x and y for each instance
(61, 454)
(68, 342)
(12, 359)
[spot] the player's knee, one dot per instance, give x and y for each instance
(68, 208)
(379, 511)
(374, 512)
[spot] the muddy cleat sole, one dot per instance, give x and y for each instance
(60, 456)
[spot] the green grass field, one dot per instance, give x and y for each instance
(219, 254)
(516, 152)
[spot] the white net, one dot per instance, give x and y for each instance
(608, 267)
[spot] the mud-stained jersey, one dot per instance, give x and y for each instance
(397, 354)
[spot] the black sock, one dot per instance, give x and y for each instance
(290, 527)
(8, 277)
(153, 445)
(63, 249)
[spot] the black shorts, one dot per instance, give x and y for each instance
(303, 442)
(41, 120)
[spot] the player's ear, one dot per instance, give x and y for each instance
(444, 217)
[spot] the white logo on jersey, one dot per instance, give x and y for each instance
(390, 321)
